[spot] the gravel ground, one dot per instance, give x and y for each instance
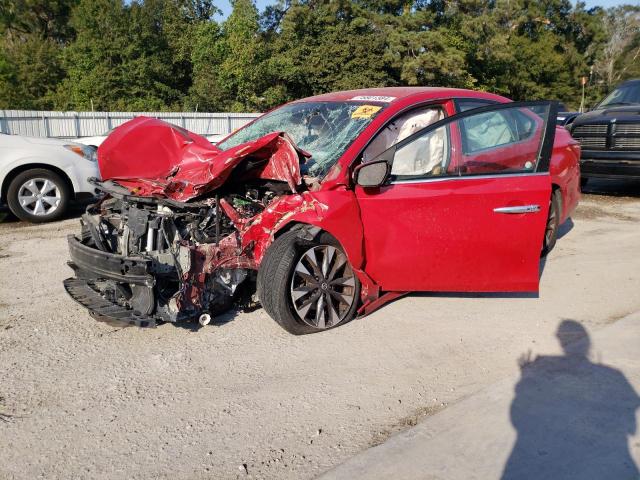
(244, 399)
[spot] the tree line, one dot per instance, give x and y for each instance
(173, 55)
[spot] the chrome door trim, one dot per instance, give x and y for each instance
(468, 177)
(518, 209)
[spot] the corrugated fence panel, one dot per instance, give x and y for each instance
(87, 124)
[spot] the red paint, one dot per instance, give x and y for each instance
(152, 157)
(446, 236)
(438, 236)
(565, 171)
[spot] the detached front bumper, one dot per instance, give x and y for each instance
(90, 266)
(90, 262)
(84, 292)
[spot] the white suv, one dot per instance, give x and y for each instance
(40, 176)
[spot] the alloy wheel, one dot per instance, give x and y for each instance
(323, 287)
(39, 196)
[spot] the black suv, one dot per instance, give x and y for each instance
(610, 135)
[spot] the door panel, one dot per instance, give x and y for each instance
(443, 227)
(444, 235)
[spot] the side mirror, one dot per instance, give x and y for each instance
(371, 174)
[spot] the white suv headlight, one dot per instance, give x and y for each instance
(85, 151)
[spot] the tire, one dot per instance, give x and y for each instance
(553, 222)
(583, 182)
(38, 195)
(281, 277)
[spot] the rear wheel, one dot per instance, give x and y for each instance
(38, 195)
(308, 286)
(553, 223)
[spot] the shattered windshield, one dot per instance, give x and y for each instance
(324, 129)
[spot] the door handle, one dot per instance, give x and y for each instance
(518, 209)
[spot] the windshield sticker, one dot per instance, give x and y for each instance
(365, 111)
(374, 98)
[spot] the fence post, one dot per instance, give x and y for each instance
(229, 130)
(77, 124)
(45, 125)
(108, 122)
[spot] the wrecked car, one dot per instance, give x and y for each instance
(325, 208)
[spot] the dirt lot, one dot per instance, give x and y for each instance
(242, 398)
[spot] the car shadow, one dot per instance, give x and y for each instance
(542, 264)
(573, 416)
(475, 294)
(612, 188)
(75, 210)
(565, 228)
(216, 321)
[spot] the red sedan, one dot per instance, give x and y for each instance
(326, 207)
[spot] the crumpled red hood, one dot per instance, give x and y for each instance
(151, 157)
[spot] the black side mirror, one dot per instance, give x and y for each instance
(371, 174)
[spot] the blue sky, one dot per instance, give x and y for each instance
(226, 7)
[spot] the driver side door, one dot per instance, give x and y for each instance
(462, 211)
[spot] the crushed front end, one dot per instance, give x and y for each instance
(141, 260)
(181, 226)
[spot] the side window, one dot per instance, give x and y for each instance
(505, 140)
(425, 156)
(487, 130)
(400, 128)
(496, 129)
(464, 104)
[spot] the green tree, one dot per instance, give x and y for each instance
(521, 49)
(206, 93)
(33, 35)
(44, 18)
(229, 62)
(121, 59)
(327, 45)
(172, 54)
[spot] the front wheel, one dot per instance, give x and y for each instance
(308, 285)
(38, 195)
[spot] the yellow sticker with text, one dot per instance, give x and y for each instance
(365, 111)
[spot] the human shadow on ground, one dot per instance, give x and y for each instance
(573, 417)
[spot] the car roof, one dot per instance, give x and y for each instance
(398, 93)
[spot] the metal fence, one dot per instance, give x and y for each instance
(87, 124)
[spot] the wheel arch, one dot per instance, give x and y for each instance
(555, 188)
(14, 172)
(335, 212)
(313, 230)
(370, 291)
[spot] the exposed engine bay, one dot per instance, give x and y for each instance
(186, 248)
(172, 240)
